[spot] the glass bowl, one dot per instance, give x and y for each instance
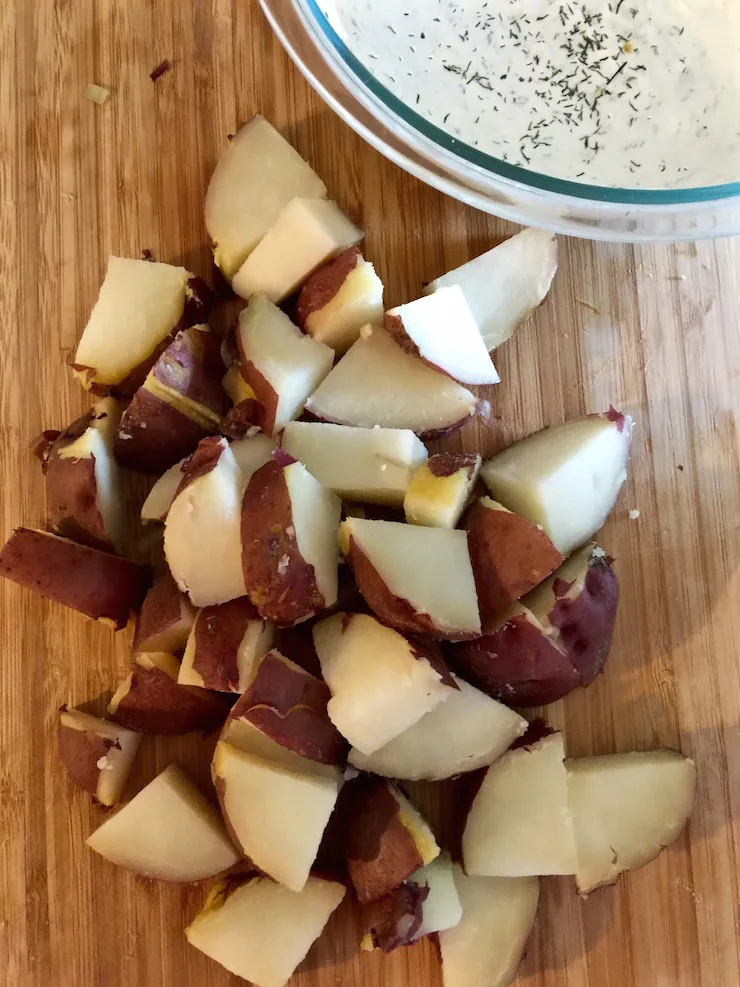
(480, 180)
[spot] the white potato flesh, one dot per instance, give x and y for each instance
(441, 909)
(373, 465)
(139, 304)
(506, 284)
(466, 732)
(439, 501)
(429, 567)
(245, 736)
(358, 303)
(379, 686)
(160, 498)
(306, 234)
(316, 514)
(442, 327)
(169, 831)
(292, 363)
(262, 931)
(277, 815)
(626, 808)
(251, 453)
(202, 535)
(565, 478)
(520, 823)
(376, 383)
(256, 177)
(486, 947)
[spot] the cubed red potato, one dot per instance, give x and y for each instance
(289, 526)
(98, 584)
(506, 284)
(189, 374)
(516, 662)
(97, 754)
(306, 234)
(160, 497)
(339, 299)
(387, 839)
(285, 706)
(416, 579)
(149, 699)
(577, 607)
(440, 489)
(260, 930)
(154, 434)
(565, 478)
(202, 539)
(510, 556)
(85, 495)
(225, 646)
(169, 831)
(140, 305)
(377, 383)
(165, 620)
(382, 682)
(256, 177)
(440, 330)
(282, 366)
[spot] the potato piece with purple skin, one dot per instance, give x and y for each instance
(225, 646)
(97, 584)
(577, 607)
(83, 484)
(165, 620)
(510, 556)
(149, 700)
(440, 488)
(154, 434)
(289, 528)
(189, 374)
(97, 754)
(287, 705)
(516, 662)
(387, 839)
(339, 299)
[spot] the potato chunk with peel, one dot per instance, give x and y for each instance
(440, 488)
(97, 754)
(261, 931)
(626, 808)
(169, 831)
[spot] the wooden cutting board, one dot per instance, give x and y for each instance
(653, 330)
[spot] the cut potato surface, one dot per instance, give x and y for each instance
(252, 452)
(306, 234)
(486, 947)
(260, 930)
(565, 478)
(416, 579)
(520, 824)
(466, 732)
(626, 808)
(440, 488)
(276, 815)
(506, 284)
(160, 497)
(255, 178)
(372, 465)
(381, 682)
(376, 383)
(440, 329)
(169, 831)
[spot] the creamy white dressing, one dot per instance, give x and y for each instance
(627, 93)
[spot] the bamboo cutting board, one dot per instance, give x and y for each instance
(653, 330)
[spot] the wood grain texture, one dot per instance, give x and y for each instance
(654, 330)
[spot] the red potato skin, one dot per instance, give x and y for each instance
(219, 631)
(154, 435)
(192, 366)
(156, 704)
(509, 555)
(395, 920)
(517, 664)
(98, 584)
(381, 852)
(444, 464)
(391, 610)
(279, 582)
(266, 403)
(586, 624)
(241, 418)
(325, 284)
(289, 705)
(161, 610)
(79, 752)
(201, 462)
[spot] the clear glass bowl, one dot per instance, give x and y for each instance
(478, 179)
